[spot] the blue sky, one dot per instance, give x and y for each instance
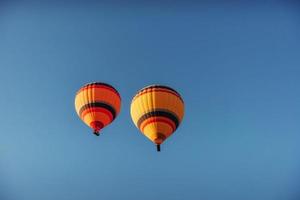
(236, 64)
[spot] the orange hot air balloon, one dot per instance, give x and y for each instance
(157, 111)
(97, 104)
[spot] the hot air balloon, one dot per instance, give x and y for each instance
(157, 111)
(97, 104)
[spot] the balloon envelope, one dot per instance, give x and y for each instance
(97, 104)
(157, 111)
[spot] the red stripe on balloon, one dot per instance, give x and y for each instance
(101, 110)
(157, 119)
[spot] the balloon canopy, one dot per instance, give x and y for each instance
(97, 104)
(157, 111)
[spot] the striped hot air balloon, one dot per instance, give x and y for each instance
(157, 111)
(97, 104)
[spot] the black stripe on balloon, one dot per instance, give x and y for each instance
(100, 83)
(98, 105)
(159, 113)
(160, 86)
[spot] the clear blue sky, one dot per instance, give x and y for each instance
(237, 66)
